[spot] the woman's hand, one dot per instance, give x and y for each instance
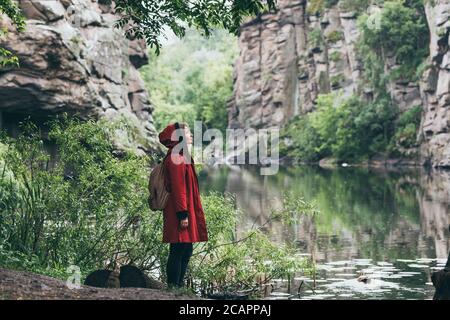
(184, 223)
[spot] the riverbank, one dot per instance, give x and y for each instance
(21, 285)
(376, 162)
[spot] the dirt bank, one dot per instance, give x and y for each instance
(20, 285)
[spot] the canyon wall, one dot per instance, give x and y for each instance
(289, 57)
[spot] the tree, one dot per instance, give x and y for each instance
(147, 18)
(402, 32)
(192, 79)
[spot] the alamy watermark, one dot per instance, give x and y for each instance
(74, 279)
(238, 147)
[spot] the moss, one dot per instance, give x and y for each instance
(335, 36)
(357, 6)
(315, 7)
(315, 38)
(75, 39)
(335, 56)
(336, 80)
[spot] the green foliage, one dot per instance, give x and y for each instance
(88, 207)
(424, 66)
(315, 7)
(336, 80)
(300, 140)
(335, 36)
(330, 3)
(315, 38)
(231, 261)
(357, 6)
(407, 127)
(399, 29)
(8, 7)
(165, 113)
(147, 19)
(7, 59)
(192, 80)
(349, 129)
(80, 210)
(335, 56)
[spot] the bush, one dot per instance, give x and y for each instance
(401, 31)
(335, 56)
(407, 127)
(354, 5)
(336, 80)
(315, 7)
(315, 38)
(193, 79)
(87, 207)
(300, 140)
(346, 129)
(335, 36)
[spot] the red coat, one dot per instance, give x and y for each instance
(182, 182)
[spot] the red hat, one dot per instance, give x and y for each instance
(165, 136)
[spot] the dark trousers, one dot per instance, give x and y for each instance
(177, 263)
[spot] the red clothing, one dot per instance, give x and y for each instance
(182, 182)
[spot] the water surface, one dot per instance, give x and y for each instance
(387, 227)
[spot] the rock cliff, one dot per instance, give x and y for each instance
(73, 60)
(290, 56)
(435, 87)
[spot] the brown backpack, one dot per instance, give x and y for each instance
(158, 197)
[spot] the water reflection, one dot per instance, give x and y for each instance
(367, 217)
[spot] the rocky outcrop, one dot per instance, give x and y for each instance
(73, 60)
(127, 276)
(435, 87)
(289, 57)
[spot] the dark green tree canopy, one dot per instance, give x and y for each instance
(147, 18)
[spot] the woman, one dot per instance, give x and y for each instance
(184, 219)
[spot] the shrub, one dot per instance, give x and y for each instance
(335, 56)
(315, 38)
(401, 31)
(336, 80)
(346, 129)
(354, 5)
(315, 7)
(193, 79)
(87, 207)
(305, 141)
(335, 36)
(407, 127)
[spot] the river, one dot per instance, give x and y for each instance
(389, 227)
